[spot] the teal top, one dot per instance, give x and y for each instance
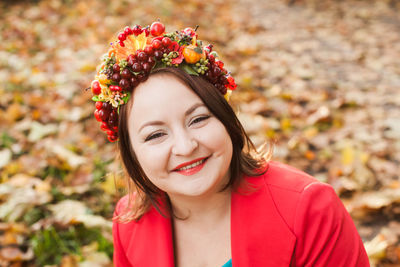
(228, 263)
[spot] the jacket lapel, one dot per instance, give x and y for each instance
(152, 242)
(259, 235)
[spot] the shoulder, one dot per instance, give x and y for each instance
(122, 204)
(137, 241)
(285, 177)
(291, 191)
(285, 182)
(125, 225)
(324, 230)
(120, 231)
(121, 228)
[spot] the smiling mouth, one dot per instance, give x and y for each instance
(191, 167)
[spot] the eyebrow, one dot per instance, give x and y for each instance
(187, 113)
(193, 108)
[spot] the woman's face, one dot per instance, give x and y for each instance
(183, 148)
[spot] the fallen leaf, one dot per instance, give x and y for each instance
(38, 131)
(376, 248)
(62, 214)
(5, 157)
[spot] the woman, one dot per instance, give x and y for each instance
(202, 195)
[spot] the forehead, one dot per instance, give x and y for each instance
(161, 93)
(160, 87)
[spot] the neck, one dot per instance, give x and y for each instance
(209, 208)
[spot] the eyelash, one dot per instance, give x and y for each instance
(199, 119)
(158, 135)
(153, 136)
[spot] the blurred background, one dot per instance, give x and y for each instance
(319, 78)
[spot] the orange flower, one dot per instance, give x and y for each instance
(131, 45)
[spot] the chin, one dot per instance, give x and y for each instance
(199, 187)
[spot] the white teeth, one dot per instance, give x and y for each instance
(191, 165)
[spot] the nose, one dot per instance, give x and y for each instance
(184, 144)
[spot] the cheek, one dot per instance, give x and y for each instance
(152, 160)
(218, 139)
(143, 154)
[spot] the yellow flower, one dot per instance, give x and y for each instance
(132, 44)
(102, 78)
(228, 94)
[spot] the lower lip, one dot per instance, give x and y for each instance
(193, 170)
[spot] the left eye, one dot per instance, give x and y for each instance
(199, 119)
(154, 136)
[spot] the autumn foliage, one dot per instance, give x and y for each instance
(321, 82)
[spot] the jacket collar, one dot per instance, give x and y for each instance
(259, 235)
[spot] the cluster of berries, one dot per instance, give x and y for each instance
(140, 50)
(128, 73)
(108, 117)
(216, 74)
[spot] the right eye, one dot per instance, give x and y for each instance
(153, 136)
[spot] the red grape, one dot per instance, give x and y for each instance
(104, 113)
(142, 56)
(148, 50)
(166, 41)
(147, 31)
(156, 44)
(115, 88)
(128, 31)
(116, 67)
(157, 28)
(136, 67)
(97, 115)
(121, 37)
(124, 84)
(96, 88)
(137, 29)
(147, 67)
(116, 77)
(112, 138)
(99, 104)
(134, 81)
(126, 74)
(104, 126)
(158, 55)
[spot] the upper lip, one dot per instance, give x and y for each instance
(188, 163)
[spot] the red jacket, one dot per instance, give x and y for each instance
(290, 220)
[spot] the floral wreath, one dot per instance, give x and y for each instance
(136, 53)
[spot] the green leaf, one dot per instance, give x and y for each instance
(49, 245)
(198, 50)
(96, 98)
(188, 69)
(126, 98)
(6, 140)
(214, 54)
(160, 64)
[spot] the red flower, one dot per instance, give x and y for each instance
(174, 46)
(190, 32)
(208, 48)
(231, 83)
(220, 64)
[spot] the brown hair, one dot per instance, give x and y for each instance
(245, 159)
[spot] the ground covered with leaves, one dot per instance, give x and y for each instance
(320, 79)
